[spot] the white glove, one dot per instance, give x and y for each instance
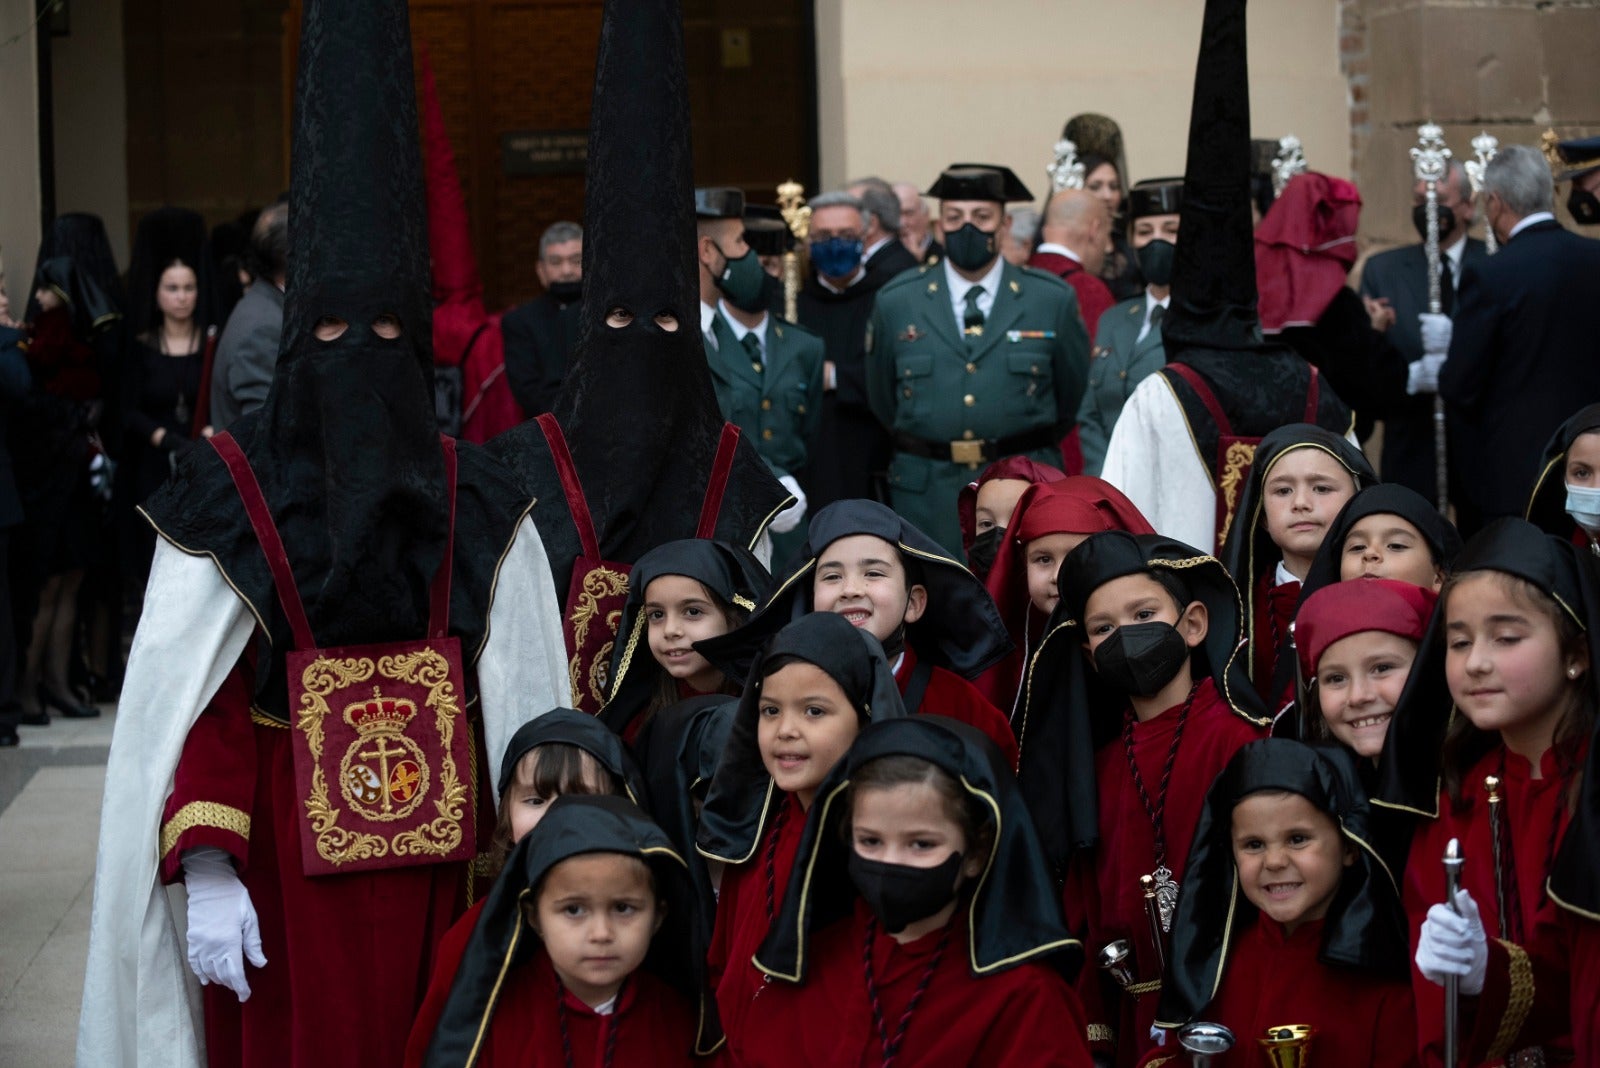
(1422, 376)
(790, 517)
(1454, 944)
(1436, 331)
(222, 922)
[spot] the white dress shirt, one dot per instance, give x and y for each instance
(740, 330)
(1150, 305)
(1531, 220)
(958, 286)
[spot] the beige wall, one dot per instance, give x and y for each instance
(91, 125)
(906, 87)
(19, 152)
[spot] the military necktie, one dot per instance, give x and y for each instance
(752, 345)
(972, 318)
(1158, 313)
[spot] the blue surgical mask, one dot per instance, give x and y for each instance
(837, 257)
(1583, 505)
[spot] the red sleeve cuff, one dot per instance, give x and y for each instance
(203, 823)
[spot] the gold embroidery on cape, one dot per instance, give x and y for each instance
(1240, 455)
(203, 814)
(1519, 1001)
(383, 774)
(599, 583)
(1101, 1033)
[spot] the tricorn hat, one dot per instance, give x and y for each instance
(1155, 196)
(979, 181)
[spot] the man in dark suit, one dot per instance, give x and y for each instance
(916, 226)
(14, 384)
(247, 351)
(1394, 285)
(1522, 354)
(883, 254)
(541, 333)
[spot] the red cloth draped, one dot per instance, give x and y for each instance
(948, 694)
(1019, 468)
(1025, 1015)
(1534, 815)
(1094, 296)
(1274, 611)
(1272, 978)
(1305, 247)
(1103, 896)
(1566, 990)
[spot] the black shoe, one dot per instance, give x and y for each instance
(68, 709)
(8, 737)
(40, 718)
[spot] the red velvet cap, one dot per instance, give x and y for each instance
(1356, 606)
(1019, 468)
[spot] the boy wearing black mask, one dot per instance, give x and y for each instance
(971, 360)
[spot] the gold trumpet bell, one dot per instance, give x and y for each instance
(1288, 1046)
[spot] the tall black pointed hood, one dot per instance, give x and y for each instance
(346, 448)
(637, 407)
(1212, 320)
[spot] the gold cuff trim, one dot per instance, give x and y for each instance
(261, 719)
(1101, 1033)
(1139, 990)
(1519, 1001)
(203, 814)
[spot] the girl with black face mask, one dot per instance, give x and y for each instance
(920, 924)
(1137, 698)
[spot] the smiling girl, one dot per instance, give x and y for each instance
(1301, 477)
(1316, 938)
(1385, 531)
(1517, 664)
(811, 690)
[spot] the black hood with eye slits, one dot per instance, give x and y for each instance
(637, 407)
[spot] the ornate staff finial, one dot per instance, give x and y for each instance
(1549, 143)
(1484, 147)
(792, 206)
(1431, 156)
(1290, 161)
(1066, 170)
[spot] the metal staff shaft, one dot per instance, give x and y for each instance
(1491, 785)
(1452, 983)
(1152, 913)
(1431, 162)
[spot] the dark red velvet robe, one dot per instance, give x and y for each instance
(1103, 897)
(742, 916)
(1274, 610)
(1271, 979)
(1026, 1015)
(1556, 983)
(342, 950)
(948, 694)
(1535, 814)
(1094, 297)
(656, 1025)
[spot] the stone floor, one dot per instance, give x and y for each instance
(50, 789)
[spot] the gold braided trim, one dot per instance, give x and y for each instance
(1519, 1002)
(261, 719)
(1139, 990)
(1101, 1033)
(203, 814)
(1160, 1061)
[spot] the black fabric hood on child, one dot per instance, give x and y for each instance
(90, 308)
(1365, 926)
(503, 938)
(1384, 498)
(346, 448)
(1013, 916)
(81, 237)
(1212, 323)
(961, 630)
(1068, 712)
(566, 726)
(743, 796)
(680, 747)
(1547, 505)
(637, 407)
(730, 572)
(1409, 767)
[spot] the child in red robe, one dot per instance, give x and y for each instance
(587, 951)
(1301, 477)
(1135, 701)
(1050, 521)
(937, 623)
(1288, 917)
(812, 688)
(919, 925)
(985, 505)
(678, 593)
(1517, 629)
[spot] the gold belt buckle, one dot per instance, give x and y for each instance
(966, 452)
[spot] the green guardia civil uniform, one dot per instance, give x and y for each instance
(1120, 361)
(958, 398)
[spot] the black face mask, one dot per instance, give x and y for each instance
(900, 895)
(985, 547)
(1156, 260)
(1584, 205)
(971, 249)
(565, 292)
(1140, 658)
(743, 282)
(1447, 222)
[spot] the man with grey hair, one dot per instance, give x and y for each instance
(916, 225)
(247, 351)
(1394, 286)
(1018, 245)
(540, 334)
(1523, 357)
(882, 255)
